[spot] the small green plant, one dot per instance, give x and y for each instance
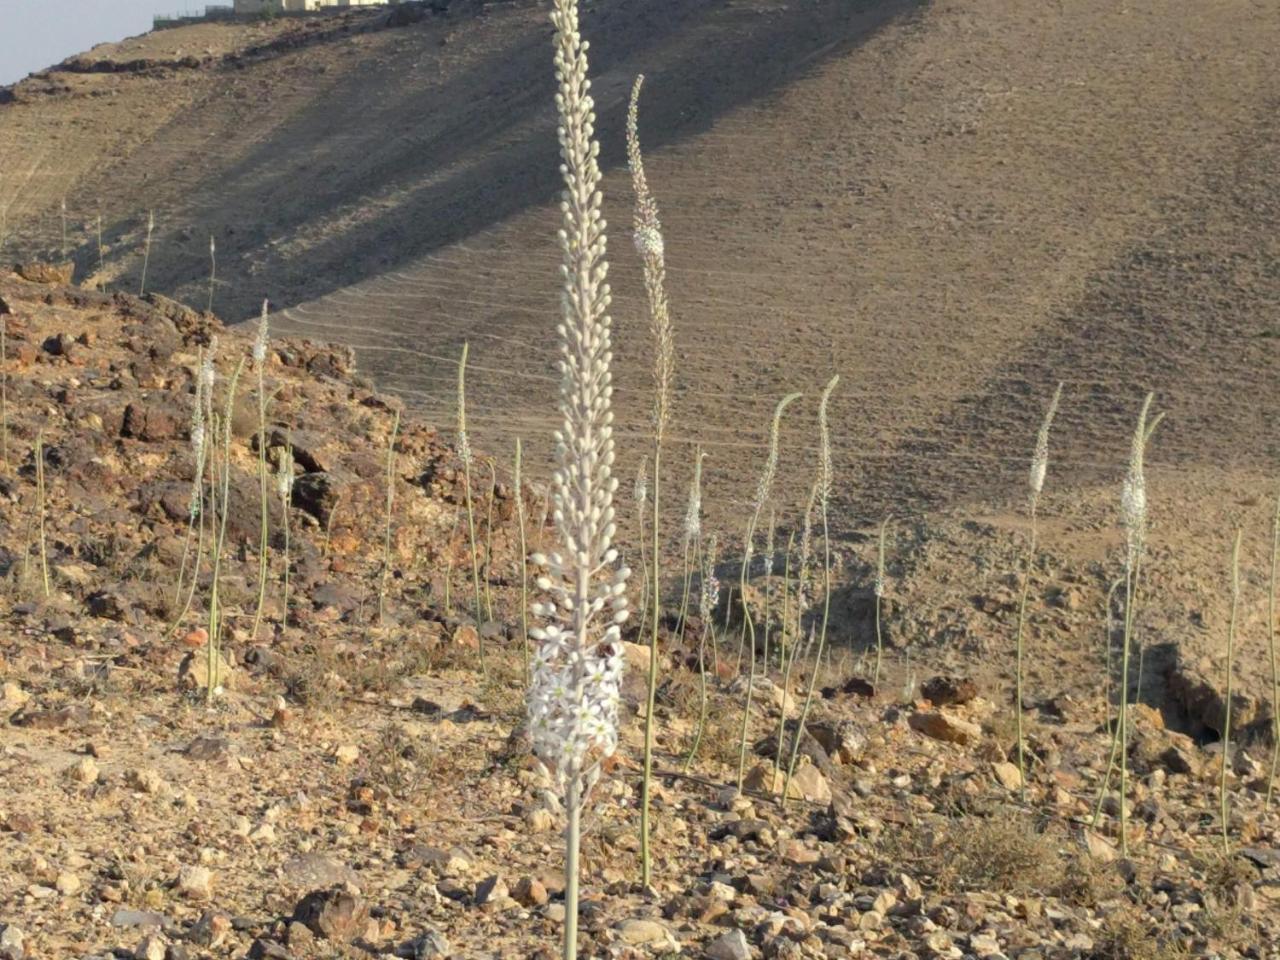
(386, 543)
(824, 482)
(1226, 710)
(1039, 467)
(764, 490)
(146, 252)
(650, 245)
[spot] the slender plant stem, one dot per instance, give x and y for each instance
(1226, 719)
(4, 390)
(524, 563)
(1275, 662)
(784, 663)
(822, 643)
(488, 539)
(215, 612)
(186, 552)
(644, 567)
(40, 508)
(391, 493)
(646, 859)
(213, 272)
(702, 695)
(572, 845)
(146, 252)
(1018, 643)
(264, 542)
(878, 596)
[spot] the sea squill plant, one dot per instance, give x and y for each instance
(391, 494)
(4, 389)
(488, 537)
(708, 598)
(260, 343)
(1271, 649)
(574, 695)
(825, 480)
(146, 252)
(517, 481)
(221, 433)
(878, 598)
(466, 456)
(1133, 519)
(784, 662)
(284, 491)
(640, 497)
(213, 271)
(102, 284)
(650, 246)
(766, 563)
(1223, 808)
(1039, 467)
(63, 210)
(41, 509)
(691, 537)
(195, 515)
(764, 490)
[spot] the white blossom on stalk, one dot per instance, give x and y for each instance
(260, 341)
(577, 671)
(284, 476)
(693, 512)
(640, 492)
(1133, 493)
(207, 372)
(198, 442)
(464, 444)
(1040, 461)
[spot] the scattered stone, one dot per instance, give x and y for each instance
(126, 917)
(83, 770)
(195, 883)
(12, 943)
(948, 691)
(347, 754)
(210, 930)
(67, 884)
(1008, 775)
(491, 890)
(529, 892)
(151, 948)
(336, 915)
(729, 946)
(539, 820)
(640, 932)
(147, 781)
(53, 274)
(943, 726)
(313, 870)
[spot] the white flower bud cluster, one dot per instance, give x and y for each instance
(709, 598)
(648, 241)
(1133, 492)
(693, 512)
(640, 492)
(284, 476)
(464, 444)
(199, 441)
(260, 341)
(1040, 461)
(577, 670)
(207, 372)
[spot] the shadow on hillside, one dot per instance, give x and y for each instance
(428, 167)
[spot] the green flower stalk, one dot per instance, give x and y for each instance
(213, 272)
(213, 685)
(1271, 647)
(40, 510)
(518, 481)
(708, 597)
(692, 536)
(784, 662)
(284, 490)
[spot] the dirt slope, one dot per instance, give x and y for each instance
(952, 205)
